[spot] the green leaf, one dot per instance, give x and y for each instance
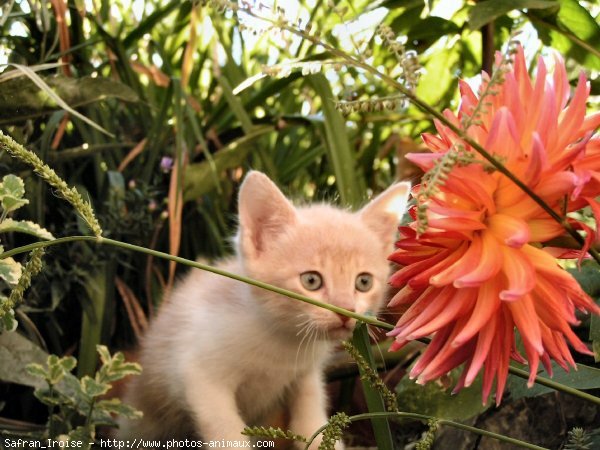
(147, 25)
(92, 387)
(115, 406)
(486, 11)
(12, 190)
(50, 397)
(588, 278)
(95, 319)
(573, 31)
(236, 105)
(67, 363)
(25, 226)
(16, 353)
(13, 185)
(439, 73)
(584, 377)
(117, 368)
(83, 435)
(10, 271)
(59, 367)
(73, 395)
(341, 157)
(37, 370)
(375, 402)
(431, 29)
(577, 18)
(104, 354)
(595, 336)
(8, 323)
(437, 400)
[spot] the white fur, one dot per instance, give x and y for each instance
(222, 354)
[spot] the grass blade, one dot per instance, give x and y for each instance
(337, 144)
(375, 402)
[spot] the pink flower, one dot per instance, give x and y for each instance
(479, 270)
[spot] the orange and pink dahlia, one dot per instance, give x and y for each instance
(479, 270)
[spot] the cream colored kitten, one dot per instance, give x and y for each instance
(222, 354)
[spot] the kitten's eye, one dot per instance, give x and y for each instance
(311, 280)
(364, 282)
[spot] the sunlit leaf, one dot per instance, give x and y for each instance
(438, 77)
(573, 31)
(488, 10)
(12, 190)
(10, 271)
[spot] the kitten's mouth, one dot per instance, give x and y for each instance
(342, 331)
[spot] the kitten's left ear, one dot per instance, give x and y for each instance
(384, 213)
(264, 213)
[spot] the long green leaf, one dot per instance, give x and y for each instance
(585, 377)
(375, 403)
(340, 154)
(94, 325)
(11, 74)
(236, 105)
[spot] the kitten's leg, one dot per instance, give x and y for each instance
(214, 409)
(308, 408)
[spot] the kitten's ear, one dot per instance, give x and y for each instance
(264, 212)
(384, 213)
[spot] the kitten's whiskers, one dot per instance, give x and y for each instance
(306, 328)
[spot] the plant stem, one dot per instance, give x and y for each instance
(366, 319)
(102, 240)
(451, 423)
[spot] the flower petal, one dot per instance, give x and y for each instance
(513, 231)
(526, 321)
(488, 302)
(488, 265)
(520, 274)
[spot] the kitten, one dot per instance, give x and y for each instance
(222, 354)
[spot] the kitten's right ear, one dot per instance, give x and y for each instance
(264, 213)
(384, 212)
